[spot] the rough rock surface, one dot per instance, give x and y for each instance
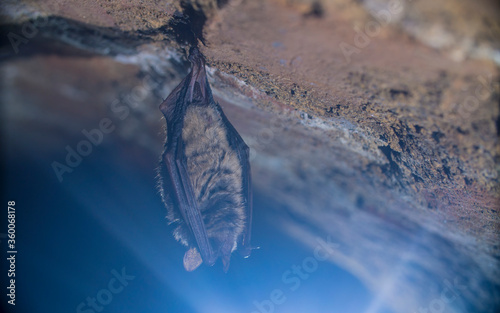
(376, 122)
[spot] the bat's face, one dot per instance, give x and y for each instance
(205, 173)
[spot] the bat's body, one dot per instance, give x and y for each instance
(204, 173)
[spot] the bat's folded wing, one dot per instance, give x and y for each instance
(188, 206)
(243, 152)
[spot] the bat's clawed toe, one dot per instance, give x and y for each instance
(246, 250)
(195, 55)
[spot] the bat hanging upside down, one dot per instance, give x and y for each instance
(204, 173)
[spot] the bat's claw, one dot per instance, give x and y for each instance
(246, 251)
(195, 55)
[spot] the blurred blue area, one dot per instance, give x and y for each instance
(106, 218)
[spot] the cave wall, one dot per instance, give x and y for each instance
(374, 122)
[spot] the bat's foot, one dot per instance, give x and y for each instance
(198, 83)
(195, 55)
(246, 251)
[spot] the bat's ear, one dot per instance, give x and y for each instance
(192, 259)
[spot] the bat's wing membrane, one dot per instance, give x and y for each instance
(175, 162)
(243, 152)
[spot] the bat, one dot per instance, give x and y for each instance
(204, 173)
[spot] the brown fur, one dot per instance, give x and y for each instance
(204, 173)
(215, 172)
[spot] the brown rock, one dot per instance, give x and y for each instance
(361, 129)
